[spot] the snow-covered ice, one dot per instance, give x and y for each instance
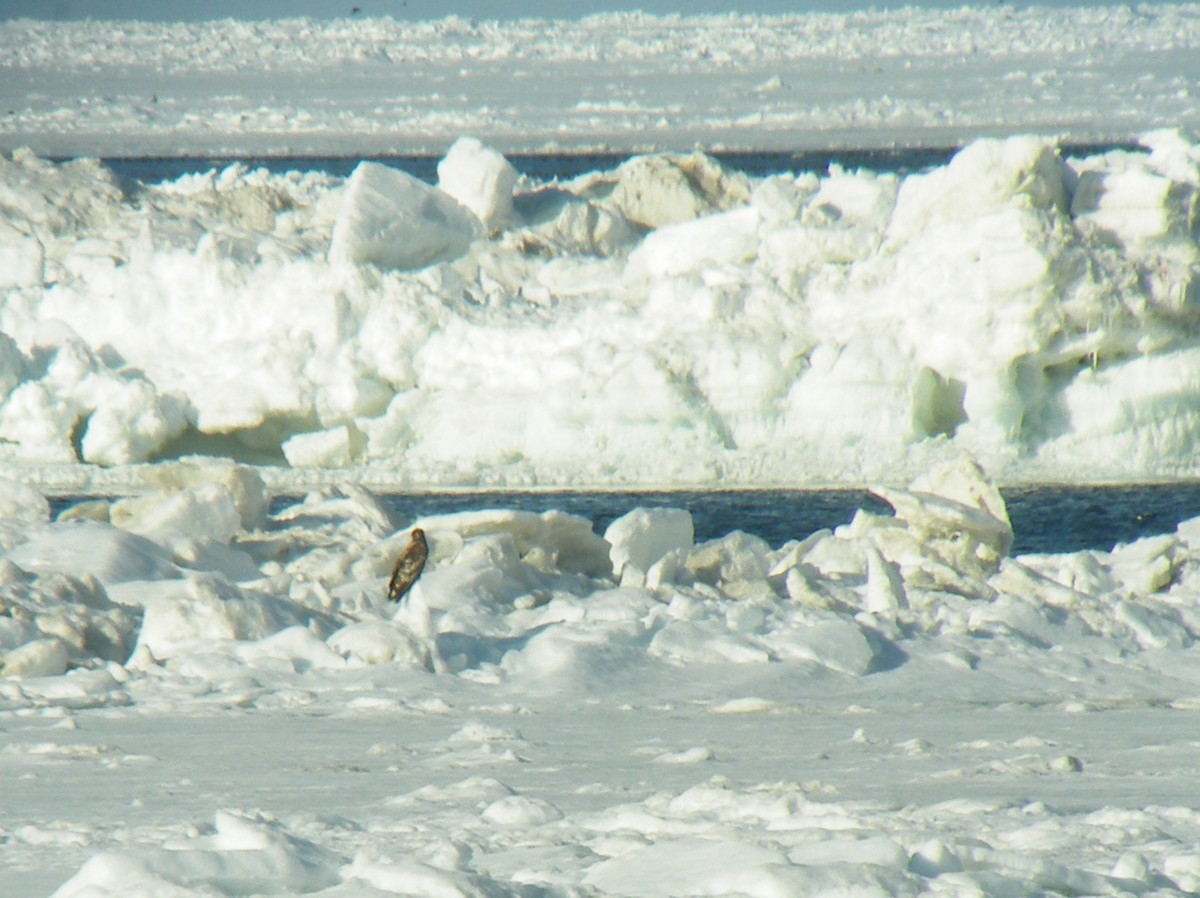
(226, 704)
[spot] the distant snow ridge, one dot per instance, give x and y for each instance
(665, 322)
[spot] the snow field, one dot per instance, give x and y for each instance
(668, 322)
(555, 712)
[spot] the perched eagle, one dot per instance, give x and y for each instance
(408, 566)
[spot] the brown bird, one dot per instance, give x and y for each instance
(408, 566)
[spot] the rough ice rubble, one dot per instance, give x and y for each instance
(667, 322)
(194, 571)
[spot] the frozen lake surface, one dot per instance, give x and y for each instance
(927, 689)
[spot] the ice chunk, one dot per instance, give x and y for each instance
(727, 238)
(879, 851)
(643, 536)
(885, 586)
(735, 556)
(83, 405)
(22, 259)
(983, 176)
(691, 866)
(951, 531)
(39, 658)
(75, 609)
(243, 484)
(391, 220)
(653, 191)
(836, 643)
(131, 422)
(1142, 409)
(12, 363)
(296, 646)
(939, 503)
(217, 557)
(332, 448)
(40, 422)
(412, 878)
(552, 539)
(377, 642)
(481, 179)
(183, 614)
(206, 511)
(57, 199)
(88, 547)
(246, 854)
(520, 811)
(22, 504)
(196, 511)
(703, 642)
(561, 222)
(1138, 207)
(780, 199)
(345, 501)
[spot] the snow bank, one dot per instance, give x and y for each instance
(667, 322)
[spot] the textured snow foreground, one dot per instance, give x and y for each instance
(201, 699)
(668, 322)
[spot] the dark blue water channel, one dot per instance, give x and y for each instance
(538, 166)
(563, 166)
(1045, 519)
